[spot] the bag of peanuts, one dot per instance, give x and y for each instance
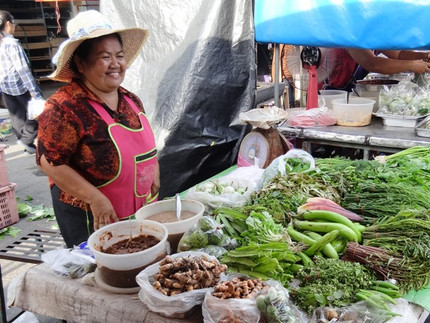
(175, 285)
(233, 300)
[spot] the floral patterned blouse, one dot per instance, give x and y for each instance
(72, 133)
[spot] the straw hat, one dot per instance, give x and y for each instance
(92, 24)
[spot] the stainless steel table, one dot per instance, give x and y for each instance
(374, 137)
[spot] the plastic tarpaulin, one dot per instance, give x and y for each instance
(372, 24)
(195, 74)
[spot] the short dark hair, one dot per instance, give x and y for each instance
(85, 48)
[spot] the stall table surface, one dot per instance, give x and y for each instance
(39, 291)
(375, 137)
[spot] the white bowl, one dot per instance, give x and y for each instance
(120, 270)
(330, 95)
(357, 112)
(176, 229)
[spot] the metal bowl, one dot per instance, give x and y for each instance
(374, 85)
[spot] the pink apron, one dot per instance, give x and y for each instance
(130, 189)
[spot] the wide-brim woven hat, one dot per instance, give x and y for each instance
(92, 24)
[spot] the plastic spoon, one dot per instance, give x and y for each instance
(178, 206)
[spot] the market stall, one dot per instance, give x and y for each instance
(298, 240)
(374, 137)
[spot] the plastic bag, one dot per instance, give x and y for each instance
(249, 173)
(276, 307)
(263, 118)
(205, 233)
(222, 192)
(316, 117)
(281, 165)
(34, 108)
(226, 310)
(69, 262)
(363, 312)
(397, 98)
(170, 306)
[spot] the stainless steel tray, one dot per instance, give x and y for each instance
(396, 120)
(420, 129)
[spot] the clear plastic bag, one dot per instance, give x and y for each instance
(222, 192)
(316, 117)
(250, 173)
(279, 165)
(230, 310)
(276, 307)
(364, 313)
(204, 234)
(170, 306)
(69, 262)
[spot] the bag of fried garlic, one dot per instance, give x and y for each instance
(173, 286)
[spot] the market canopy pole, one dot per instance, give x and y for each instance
(371, 24)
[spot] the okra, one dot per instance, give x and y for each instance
(344, 231)
(305, 258)
(299, 236)
(321, 242)
(332, 217)
(385, 284)
(390, 292)
(328, 249)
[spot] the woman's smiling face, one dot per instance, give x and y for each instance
(104, 68)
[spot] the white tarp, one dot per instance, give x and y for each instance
(195, 74)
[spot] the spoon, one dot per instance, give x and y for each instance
(178, 206)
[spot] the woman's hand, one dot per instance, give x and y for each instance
(421, 66)
(102, 210)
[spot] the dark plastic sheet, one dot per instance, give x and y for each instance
(372, 24)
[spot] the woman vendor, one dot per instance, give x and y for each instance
(95, 142)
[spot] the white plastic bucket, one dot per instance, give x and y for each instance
(356, 113)
(178, 228)
(120, 270)
(330, 95)
(5, 124)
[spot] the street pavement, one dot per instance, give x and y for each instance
(30, 182)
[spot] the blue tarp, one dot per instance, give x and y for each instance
(372, 24)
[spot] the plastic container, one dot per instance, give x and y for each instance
(330, 95)
(120, 270)
(4, 178)
(356, 113)
(5, 124)
(8, 207)
(178, 228)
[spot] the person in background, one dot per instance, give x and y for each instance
(355, 64)
(17, 83)
(95, 142)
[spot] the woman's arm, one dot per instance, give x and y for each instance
(70, 181)
(372, 63)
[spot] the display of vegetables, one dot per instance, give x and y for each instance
(330, 282)
(268, 260)
(344, 230)
(409, 272)
(284, 194)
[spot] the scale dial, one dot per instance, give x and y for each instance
(255, 149)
